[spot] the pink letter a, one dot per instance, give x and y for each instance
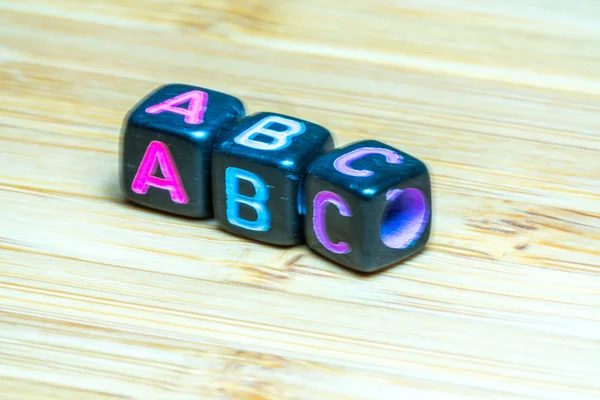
(194, 114)
(158, 154)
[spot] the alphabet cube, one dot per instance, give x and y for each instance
(258, 173)
(368, 205)
(167, 147)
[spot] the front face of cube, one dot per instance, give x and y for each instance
(258, 173)
(167, 148)
(368, 206)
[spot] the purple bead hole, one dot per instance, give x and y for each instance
(404, 218)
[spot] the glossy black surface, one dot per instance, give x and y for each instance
(191, 147)
(283, 171)
(373, 216)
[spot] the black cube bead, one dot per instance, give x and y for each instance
(167, 147)
(258, 173)
(368, 205)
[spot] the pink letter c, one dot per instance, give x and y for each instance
(322, 199)
(342, 163)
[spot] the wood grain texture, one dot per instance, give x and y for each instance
(100, 299)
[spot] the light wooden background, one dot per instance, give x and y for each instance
(103, 300)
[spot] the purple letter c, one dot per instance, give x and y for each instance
(320, 203)
(342, 163)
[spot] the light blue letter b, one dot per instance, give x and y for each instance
(258, 202)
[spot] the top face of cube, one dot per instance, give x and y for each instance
(191, 112)
(277, 140)
(367, 168)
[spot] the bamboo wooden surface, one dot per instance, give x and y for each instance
(100, 299)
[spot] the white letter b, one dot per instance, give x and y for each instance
(280, 139)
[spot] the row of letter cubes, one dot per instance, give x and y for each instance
(274, 178)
